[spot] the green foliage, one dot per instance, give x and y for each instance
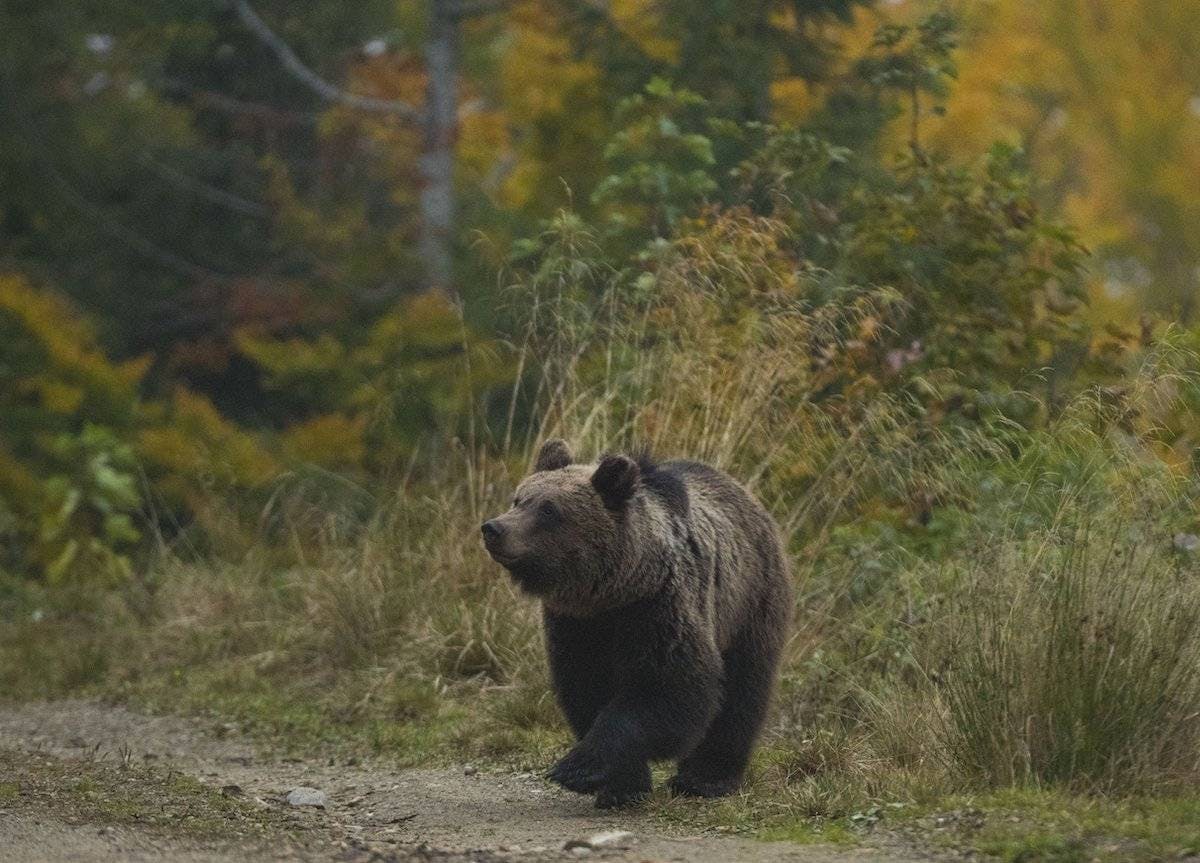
(911, 60)
(69, 495)
(89, 511)
(415, 376)
(660, 170)
(990, 282)
(731, 51)
(986, 289)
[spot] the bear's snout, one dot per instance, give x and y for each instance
(495, 540)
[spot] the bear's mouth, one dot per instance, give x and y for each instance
(523, 571)
(501, 557)
(504, 559)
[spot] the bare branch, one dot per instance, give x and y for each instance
(220, 197)
(327, 91)
(129, 236)
(268, 114)
(500, 171)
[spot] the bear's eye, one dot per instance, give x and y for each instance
(547, 510)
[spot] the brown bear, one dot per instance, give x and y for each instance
(666, 602)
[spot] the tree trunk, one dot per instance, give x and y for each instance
(437, 159)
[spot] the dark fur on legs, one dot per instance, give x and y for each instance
(716, 766)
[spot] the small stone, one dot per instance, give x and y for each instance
(612, 839)
(470, 770)
(304, 796)
(580, 851)
(1187, 542)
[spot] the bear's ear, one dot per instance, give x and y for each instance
(553, 455)
(615, 480)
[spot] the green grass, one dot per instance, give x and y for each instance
(1053, 825)
(99, 792)
(1003, 646)
(334, 719)
(815, 793)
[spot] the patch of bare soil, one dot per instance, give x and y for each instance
(91, 782)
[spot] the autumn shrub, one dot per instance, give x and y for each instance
(1075, 661)
(1055, 643)
(371, 405)
(69, 494)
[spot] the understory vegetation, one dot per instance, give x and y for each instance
(987, 487)
(996, 590)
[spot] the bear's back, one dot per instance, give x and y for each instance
(735, 558)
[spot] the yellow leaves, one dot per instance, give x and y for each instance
(417, 371)
(544, 88)
(200, 451)
(52, 353)
(1101, 96)
(482, 140)
(638, 19)
(45, 318)
(792, 100)
(60, 398)
(540, 74)
(423, 322)
(290, 358)
(333, 441)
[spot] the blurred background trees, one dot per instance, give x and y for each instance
(244, 238)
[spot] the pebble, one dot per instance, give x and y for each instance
(612, 839)
(470, 770)
(608, 839)
(304, 796)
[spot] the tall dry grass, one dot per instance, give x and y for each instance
(964, 615)
(1062, 647)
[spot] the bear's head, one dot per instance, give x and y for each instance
(568, 525)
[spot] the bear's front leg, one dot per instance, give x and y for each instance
(615, 781)
(582, 770)
(662, 720)
(625, 788)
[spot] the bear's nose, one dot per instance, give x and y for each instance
(491, 530)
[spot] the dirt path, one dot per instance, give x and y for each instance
(98, 783)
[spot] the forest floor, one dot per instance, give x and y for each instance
(87, 781)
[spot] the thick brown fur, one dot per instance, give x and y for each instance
(666, 604)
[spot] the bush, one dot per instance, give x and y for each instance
(1074, 659)
(69, 497)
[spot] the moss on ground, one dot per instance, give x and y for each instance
(117, 794)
